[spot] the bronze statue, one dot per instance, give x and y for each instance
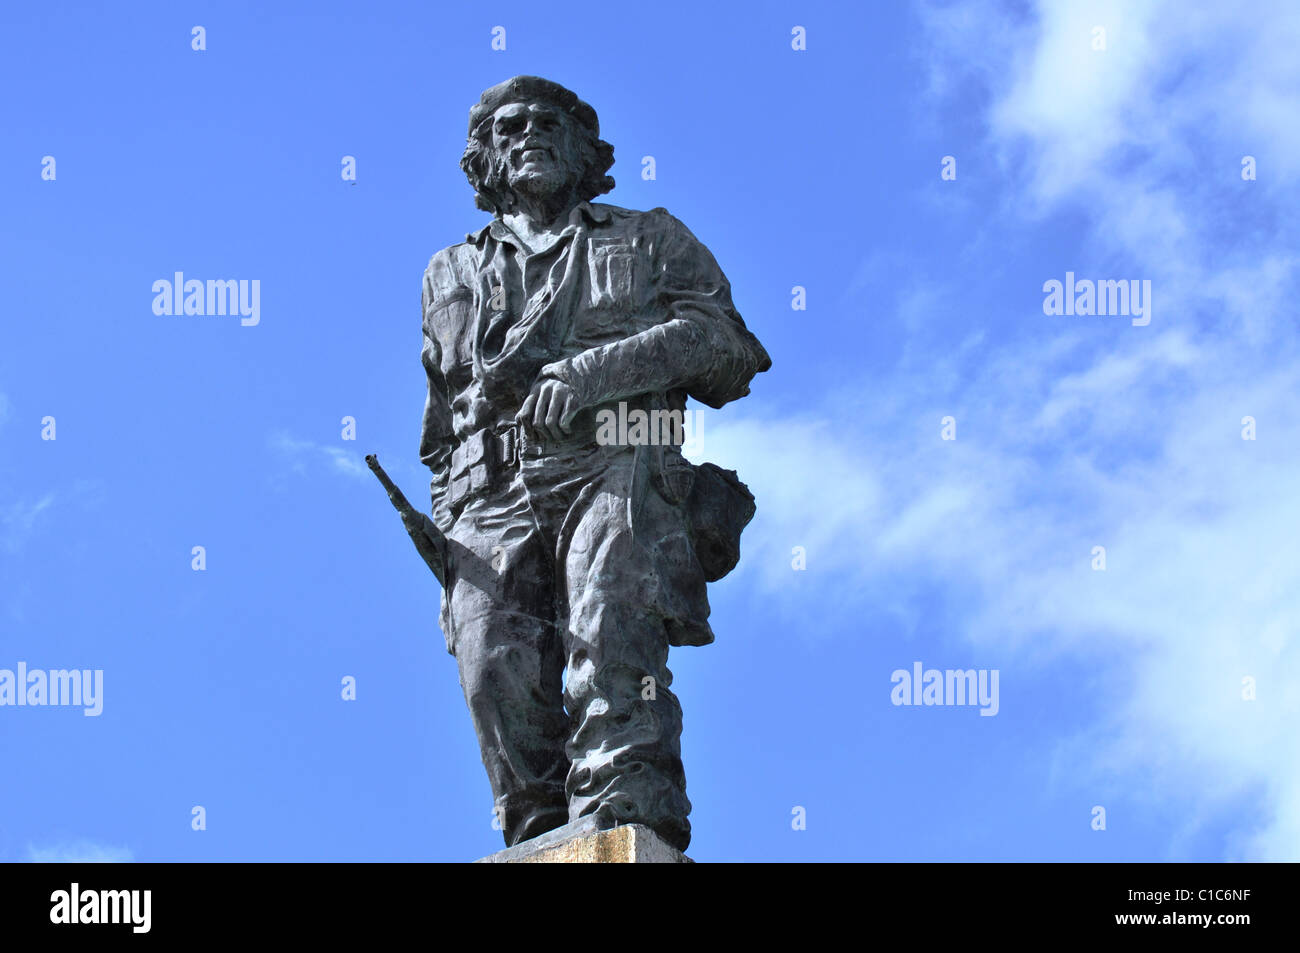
(558, 547)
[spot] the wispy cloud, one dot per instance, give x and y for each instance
(18, 519)
(79, 852)
(307, 455)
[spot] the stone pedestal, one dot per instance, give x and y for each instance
(583, 843)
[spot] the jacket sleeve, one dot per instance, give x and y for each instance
(701, 344)
(437, 437)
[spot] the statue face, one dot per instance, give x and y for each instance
(535, 149)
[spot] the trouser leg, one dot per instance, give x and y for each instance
(626, 725)
(500, 617)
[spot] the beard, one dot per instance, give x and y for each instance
(540, 184)
(536, 185)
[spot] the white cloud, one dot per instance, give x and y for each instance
(79, 852)
(1202, 585)
(18, 519)
(339, 460)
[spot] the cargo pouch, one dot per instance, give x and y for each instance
(719, 507)
(476, 463)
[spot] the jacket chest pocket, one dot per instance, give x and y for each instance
(611, 270)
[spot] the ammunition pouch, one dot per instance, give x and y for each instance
(477, 464)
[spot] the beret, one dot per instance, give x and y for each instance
(532, 89)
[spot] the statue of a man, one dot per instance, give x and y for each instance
(567, 548)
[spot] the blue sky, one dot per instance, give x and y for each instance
(819, 168)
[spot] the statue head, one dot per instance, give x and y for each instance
(532, 141)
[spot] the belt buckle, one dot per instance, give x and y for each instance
(509, 446)
(528, 444)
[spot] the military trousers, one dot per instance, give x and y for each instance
(565, 584)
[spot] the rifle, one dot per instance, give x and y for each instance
(428, 539)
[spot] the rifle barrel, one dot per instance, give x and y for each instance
(429, 542)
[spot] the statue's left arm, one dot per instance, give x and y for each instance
(701, 344)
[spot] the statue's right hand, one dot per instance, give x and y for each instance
(549, 409)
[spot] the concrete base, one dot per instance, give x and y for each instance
(582, 842)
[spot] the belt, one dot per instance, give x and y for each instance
(482, 458)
